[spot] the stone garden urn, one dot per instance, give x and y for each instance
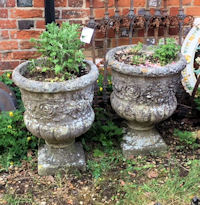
(143, 96)
(58, 112)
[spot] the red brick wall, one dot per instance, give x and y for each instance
(21, 20)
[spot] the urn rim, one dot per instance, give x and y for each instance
(54, 87)
(169, 69)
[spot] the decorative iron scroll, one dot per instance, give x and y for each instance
(147, 21)
(131, 21)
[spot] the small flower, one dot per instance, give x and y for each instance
(102, 69)
(40, 166)
(192, 38)
(9, 127)
(11, 163)
(97, 81)
(28, 139)
(188, 58)
(188, 44)
(100, 89)
(8, 75)
(11, 114)
(109, 82)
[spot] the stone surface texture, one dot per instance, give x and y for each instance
(57, 112)
(143, 97)
(52, 160)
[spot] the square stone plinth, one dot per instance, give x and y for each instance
(142, 142)
(52, 160)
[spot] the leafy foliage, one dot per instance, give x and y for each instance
(100, 83)
(166, 53)
(15, 139)
(105, 135)
(138, 56)
(61, 47)
(187, 138)
(162, 53)
(138, 59)
(103, 130)
(137, 48)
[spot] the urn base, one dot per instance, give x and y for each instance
(52, 160)
(142, 142)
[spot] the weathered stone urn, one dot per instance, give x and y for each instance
(58, 112)
(143, 96)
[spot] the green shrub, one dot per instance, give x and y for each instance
(15, 140)
(162, 53)
(166, 53)
(61, 46)
(187, 138)
(138, 57)
(103, 131)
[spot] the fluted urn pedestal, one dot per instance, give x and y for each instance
(143, 96)
(58, 112)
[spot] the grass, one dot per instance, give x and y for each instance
(12, 199)
(112, 179)
(170, 189)
(134, 183)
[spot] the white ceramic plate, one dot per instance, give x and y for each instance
(188, 49)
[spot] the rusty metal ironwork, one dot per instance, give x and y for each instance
(181, 17)
(92, 24)
(126, 25)
(116, 22)
(166, 21)
(106, 25)
(132, 21)
(147, 20)
(131, 17)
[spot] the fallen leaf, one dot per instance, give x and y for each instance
(51, 179)
(152, 203)
(70, 201)
(152, 174)
(132, 174)
(122, 182)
